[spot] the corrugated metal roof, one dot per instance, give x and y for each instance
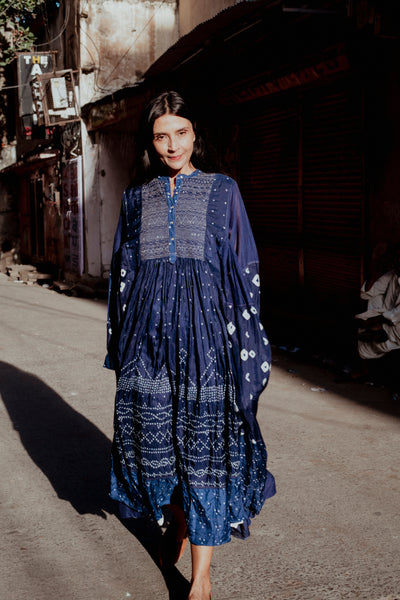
(230, 21)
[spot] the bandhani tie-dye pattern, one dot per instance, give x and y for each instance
(191, 357)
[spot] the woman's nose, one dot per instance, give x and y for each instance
(172, 145)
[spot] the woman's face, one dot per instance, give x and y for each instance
(173, 139)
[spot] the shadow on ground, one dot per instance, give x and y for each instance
(149, 535)
(72, 452)
(75, 457)
(375, 390)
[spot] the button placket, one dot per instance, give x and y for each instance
(172, 201)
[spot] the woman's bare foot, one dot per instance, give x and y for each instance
(201, 589)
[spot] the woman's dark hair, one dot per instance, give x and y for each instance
(172, 103)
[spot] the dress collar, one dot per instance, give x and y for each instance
(181, 175)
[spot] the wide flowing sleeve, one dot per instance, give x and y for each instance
(250, 348)
(113, 312)
(124, 263)
(242, 241)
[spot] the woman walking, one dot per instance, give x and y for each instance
(188, 348)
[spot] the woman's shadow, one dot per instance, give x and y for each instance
(74, 455)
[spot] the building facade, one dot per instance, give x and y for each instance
(60, 181)
(300, 103)
(298, 99)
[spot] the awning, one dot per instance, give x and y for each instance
(32, 162)
(227, 23)
(127, 103)
(230, 29)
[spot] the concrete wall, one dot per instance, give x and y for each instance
(116, 158)
(108, 159)
(92, 211)
(195, 12)
(120, 39)
(110, 43)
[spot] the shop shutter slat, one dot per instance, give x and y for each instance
(313, 231)
(332, 192)
(269, 183)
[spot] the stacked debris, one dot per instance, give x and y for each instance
(83, 288)
(29, 275)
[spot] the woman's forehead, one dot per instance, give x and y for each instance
(170, 122)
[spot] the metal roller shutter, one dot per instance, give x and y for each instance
(269, 182)
(333, 193)
(302, 181)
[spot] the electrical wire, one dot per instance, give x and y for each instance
(63, 27)
(97, 68)
(133, 43)
(13, 87)
(95, 71)
(101, 88)
(43, 10)
(67, 13)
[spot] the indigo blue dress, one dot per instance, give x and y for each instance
(191, 357)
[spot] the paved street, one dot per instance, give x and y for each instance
(332, 532)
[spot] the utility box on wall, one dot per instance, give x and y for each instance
(55, 98)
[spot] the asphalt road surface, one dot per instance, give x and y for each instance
(332, 532)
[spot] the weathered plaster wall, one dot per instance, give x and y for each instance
(108, 160)
(120, 39)
(92, 204)
(116, 158)
(195, 12)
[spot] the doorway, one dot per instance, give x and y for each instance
(36, 203)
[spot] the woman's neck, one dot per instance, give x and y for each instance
(172, 176)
